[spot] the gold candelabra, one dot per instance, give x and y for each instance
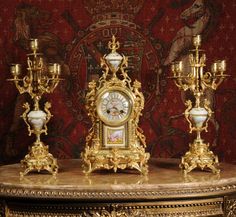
(39, 79)
(199, 112)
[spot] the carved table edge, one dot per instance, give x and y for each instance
(80, 194)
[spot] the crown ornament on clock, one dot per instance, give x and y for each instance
(105, 9)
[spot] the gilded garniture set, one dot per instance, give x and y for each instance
(115, 104)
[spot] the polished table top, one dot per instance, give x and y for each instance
(165, 180)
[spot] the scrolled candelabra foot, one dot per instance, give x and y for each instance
(199, 156)
(39, 159)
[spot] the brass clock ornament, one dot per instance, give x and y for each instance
(114, 105)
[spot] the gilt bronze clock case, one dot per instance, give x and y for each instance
(114, 104)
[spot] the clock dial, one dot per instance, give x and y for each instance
(114, 106)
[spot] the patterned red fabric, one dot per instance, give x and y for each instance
(152, 33)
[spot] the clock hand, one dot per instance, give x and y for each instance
(121, 111)
(115, 110)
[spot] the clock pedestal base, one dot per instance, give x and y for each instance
(115, 159)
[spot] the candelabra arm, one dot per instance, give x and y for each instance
(50, 88)
(45, 88)
(210, 83)
(179, 83)
(216, 82)
(27, 81)
(20, 88)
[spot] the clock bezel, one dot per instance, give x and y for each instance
(126, 93)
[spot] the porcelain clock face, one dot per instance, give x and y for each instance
(114, 107)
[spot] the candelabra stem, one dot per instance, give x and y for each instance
(198, 135)
(38, 138)
(197, 97)
(36, 103)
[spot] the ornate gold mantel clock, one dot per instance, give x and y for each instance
(115, 141)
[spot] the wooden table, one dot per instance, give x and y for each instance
(164, 192)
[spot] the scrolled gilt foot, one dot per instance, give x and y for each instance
(194, 159)
(39, 159)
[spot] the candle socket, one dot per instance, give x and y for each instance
(34, 44)
(15, 69)
(197, 41)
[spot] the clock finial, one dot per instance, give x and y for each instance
(113, 45)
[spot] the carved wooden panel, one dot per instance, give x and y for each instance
(2, 208)
(230, 206)
(186, 208)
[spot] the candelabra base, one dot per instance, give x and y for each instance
(39, 159)
(199, 156)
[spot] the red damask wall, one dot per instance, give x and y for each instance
(153, 33)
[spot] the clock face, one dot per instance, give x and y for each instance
(114, 107)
